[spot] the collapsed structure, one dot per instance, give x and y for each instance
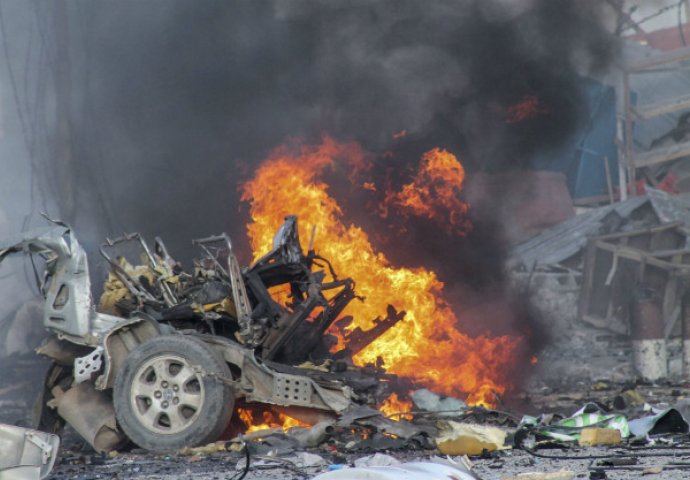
(168, 354)
(616, 278)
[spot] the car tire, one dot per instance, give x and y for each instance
(168, 394)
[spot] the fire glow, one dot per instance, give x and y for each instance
(529, 107)
(266, 419)
(425, 347)
(434, 192)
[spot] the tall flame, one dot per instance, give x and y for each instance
(425, 346)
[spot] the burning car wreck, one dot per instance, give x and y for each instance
(168, 356)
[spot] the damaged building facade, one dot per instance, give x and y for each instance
(612, 278)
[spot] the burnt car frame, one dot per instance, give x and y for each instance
(167, 367)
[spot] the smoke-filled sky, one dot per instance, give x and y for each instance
(170, 103)
(146, 116)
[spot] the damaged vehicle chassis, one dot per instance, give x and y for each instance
(176, 352)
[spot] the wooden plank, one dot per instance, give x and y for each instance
(587, 279)
(652, 110)
(681, 256)
(673, 56)
(640, 231)
(661, 155)
(637, 255)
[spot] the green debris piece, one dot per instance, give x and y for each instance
(568, 429)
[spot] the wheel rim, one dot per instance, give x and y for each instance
(167, 394)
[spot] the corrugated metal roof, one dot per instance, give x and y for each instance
(566, 239)
(670, 208)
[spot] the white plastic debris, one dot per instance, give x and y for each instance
(377, 460)
(404, 471)
(427, 400)
(306, 459)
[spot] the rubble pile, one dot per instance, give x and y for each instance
(613, 282)
(615, 436)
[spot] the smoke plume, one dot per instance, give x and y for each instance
(171, 105)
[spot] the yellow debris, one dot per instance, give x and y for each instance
(468, 439)
(559, 475)
(599, 386)
(633, 398)
(114, 290)
(324, 367)
(599, 436)
(205, 449)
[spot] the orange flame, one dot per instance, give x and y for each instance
(394, 405)
(433, 192)
(266, 419)
(371, 186)
(529, 107)
(426, 345)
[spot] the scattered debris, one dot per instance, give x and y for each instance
(560, 475)
(313, 436)
(306, 459)
(235, 343)
(569, 429)
(377, 460)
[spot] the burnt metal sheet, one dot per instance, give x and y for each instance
(670, 208)
(562, 241)
(569, 238)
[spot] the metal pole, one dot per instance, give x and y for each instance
(649, 346)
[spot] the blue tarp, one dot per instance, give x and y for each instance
(582, 159)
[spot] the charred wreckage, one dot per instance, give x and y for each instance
(167, 356)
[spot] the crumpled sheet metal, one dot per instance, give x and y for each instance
(368, 417)
(357, 412)
(26, 454)
(669, 421)
(90, 412)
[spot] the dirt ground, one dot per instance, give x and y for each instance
(222, 466)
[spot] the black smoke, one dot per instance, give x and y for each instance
(173, 103)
